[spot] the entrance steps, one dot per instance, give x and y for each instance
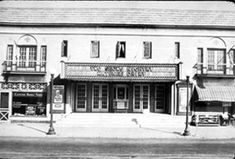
(126, 120)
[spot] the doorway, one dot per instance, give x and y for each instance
(100, 98)
(121, 97)
(141, 98)
(160, 98)
(81, 97)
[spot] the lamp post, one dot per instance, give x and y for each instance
(51, 130)
(186, 130)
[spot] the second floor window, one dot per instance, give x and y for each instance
(27, 56)
(64, 48)
(95, 49)
(121, 49)
(147, 49)
(216, 60)
(177, 49)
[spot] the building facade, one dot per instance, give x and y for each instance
(125, 59)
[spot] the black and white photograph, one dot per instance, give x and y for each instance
(117, 79)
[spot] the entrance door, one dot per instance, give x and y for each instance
(141, 98)
(100, 98)
(160, 98)
(4, 106)
(81, 101)
(121, 97)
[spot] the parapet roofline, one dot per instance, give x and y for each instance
(112, 25)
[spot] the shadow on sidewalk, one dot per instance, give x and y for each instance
(163, 131)
(30, 127)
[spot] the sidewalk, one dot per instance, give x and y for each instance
(40, 130)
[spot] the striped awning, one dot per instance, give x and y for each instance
(216, 93)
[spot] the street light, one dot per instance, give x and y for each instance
(186, 130)
(51, 130)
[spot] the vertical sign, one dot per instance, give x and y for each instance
(182, 98)
(58, 99)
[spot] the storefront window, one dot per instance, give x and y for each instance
(29, 104)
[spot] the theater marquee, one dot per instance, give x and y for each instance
(119, 72)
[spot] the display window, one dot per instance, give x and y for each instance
(29, 104)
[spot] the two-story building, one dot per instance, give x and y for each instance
(115, 57)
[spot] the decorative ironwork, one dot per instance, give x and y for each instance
(4, 114)
(19, 66)
(23, 86)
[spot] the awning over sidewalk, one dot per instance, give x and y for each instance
(216, 93)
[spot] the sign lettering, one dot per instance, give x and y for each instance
(122, 71)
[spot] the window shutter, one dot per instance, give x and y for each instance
(9, 57)
(43, 55)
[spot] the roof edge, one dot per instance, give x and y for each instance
(113, 25)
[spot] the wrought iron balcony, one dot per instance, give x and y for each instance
(222, 70)
(24, 67)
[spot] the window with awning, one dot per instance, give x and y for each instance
(216, 93)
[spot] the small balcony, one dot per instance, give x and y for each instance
(222, 70)
(24, 67)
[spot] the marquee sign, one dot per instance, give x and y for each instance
(123, 72)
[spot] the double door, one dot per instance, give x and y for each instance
(141, 98)
(100, 98)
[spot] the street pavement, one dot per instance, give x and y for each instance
(30, 140)
(106, 148)
(41, 129)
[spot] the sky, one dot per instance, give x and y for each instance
(191, 5)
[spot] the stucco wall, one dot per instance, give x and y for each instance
(79, 44)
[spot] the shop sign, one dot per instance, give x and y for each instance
(27, 94)
(117, 71)
(58, 99)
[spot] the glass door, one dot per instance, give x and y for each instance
(100, 97)
(141, 98)
(121, 97)
(145, 98)
(160, 98)
(81, 97)
(137, 99)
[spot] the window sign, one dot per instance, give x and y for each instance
(58, 99)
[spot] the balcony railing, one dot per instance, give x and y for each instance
(23, 66)
(221, 69)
